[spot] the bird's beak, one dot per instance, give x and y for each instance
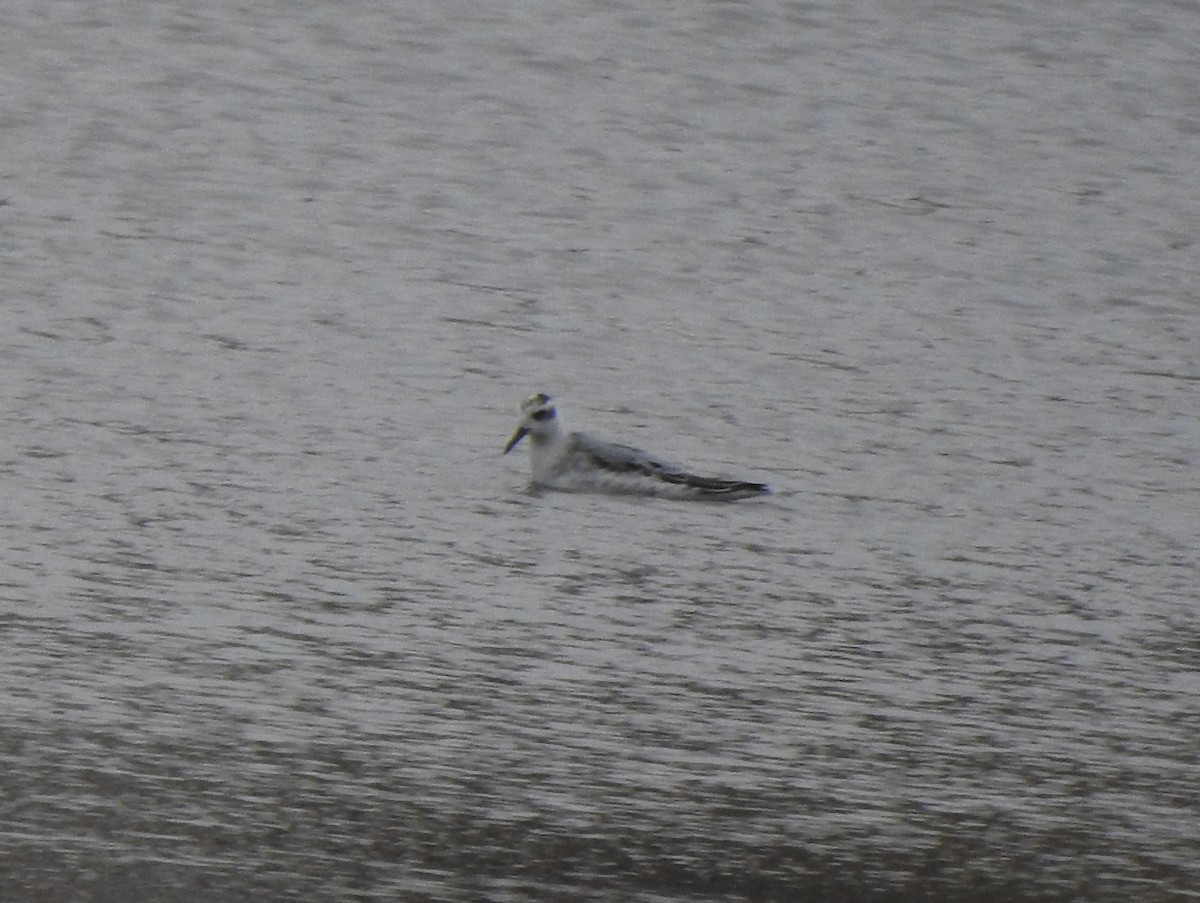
(517, 437)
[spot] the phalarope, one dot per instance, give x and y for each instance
(578, 461)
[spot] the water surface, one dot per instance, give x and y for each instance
(279, 621)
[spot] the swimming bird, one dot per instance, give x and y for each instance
(577, 461)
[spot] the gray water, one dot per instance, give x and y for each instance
(278, 620)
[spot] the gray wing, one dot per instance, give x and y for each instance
(617, 458)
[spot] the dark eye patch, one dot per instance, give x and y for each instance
(544, 414)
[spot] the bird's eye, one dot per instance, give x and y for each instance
(544, 414)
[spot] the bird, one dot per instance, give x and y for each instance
(580, 462)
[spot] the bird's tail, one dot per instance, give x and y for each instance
(710, 487)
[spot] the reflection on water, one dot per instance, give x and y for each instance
(633, 742)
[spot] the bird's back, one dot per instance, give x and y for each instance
(585, 462)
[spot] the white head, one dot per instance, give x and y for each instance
(539, 421)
